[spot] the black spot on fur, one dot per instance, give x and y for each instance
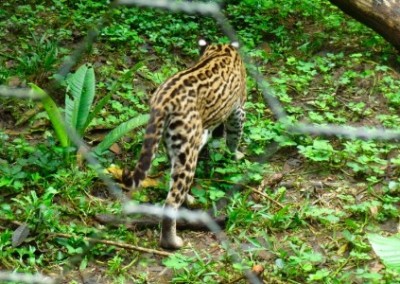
(173, 93)
(138, 176)
(175, 124)
(145, 160)
(202, 77)
(215, 69)
(127, 178)
(176, 146)
(179, 137)
(172, 82)
(182, 158)
(228, 49)
(148, 142)
(151, 128)
(192, 79)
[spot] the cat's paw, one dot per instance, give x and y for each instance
(171, 242)
(190, 201)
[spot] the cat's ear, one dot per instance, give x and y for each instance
(235, 44)
(203, 45)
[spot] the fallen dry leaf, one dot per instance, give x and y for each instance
(116, 173)
(149, 182)
(258, 269)
(342, 249)
(376, 267)
(115, 149)
(274, 180)
(374, 210)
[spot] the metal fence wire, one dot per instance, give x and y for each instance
(206, 9)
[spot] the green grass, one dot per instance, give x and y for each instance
(323, 67)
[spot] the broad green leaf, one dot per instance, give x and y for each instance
(86, 100)
(54, 115)
(216, 194)
(81, 85)
(388, 249)
(120, 131)
(177, 261)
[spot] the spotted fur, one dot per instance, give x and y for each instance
(184, 111)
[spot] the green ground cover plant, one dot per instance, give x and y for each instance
(308, 209)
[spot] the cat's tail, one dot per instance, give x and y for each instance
(152, 137)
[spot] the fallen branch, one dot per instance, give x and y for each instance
(112, 243)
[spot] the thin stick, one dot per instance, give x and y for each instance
(117, 244)
(266, 196)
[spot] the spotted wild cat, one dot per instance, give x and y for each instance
(184, 111)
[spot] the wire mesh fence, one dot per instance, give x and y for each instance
(190, 7)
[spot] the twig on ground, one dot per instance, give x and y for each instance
(266, 196)
(248, 187)
(112, 243)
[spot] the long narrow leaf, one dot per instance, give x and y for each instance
(81, 86)
(69, 112)
(74, 89)
(388, 249)
(54, 115)
(86, 100)
(120, 131)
